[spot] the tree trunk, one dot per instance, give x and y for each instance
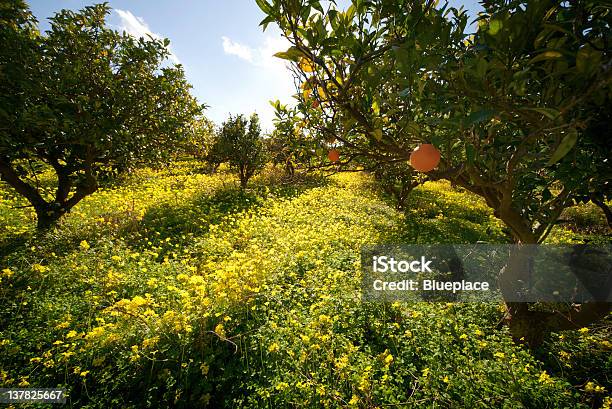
(530, 326)
(604, 207)
(404, 193)
(289, 169)
(243, 177)
(49, 213)
(47, 217)
(526, 324)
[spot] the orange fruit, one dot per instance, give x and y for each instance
(333, 155)
(425, 157)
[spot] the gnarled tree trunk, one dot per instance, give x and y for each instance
(604, 208)
(531, 326)
(526, 324)
(48, 213)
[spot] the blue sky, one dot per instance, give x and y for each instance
(227, 57)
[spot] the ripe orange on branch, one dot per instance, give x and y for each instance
(333, 155)
(425, 157)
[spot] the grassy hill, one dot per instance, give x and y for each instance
(175, 288)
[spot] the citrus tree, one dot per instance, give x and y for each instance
(536, 82)
(366, 68)
(82, 98)
(292, 143)
(241, 144)
(200, 139)
(516, 109)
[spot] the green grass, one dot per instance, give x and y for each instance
(176, 288)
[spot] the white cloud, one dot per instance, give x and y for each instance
(237, 49)
(275, 81)
(137, 27)
(261, 56)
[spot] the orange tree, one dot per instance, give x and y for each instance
(241, 144)
(517, 109)
(291, 143)
(200, 140)
(82, 98)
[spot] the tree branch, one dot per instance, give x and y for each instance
(10, 176)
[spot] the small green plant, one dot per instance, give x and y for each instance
(241, 144)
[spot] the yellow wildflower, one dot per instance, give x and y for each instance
(220, 330)
(592, 387)
(281, 386)
(40, 268)
(545, 378)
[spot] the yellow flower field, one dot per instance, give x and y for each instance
(179, 289)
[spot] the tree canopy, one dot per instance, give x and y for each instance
(516, 109)
(80, 98)
(241, 144)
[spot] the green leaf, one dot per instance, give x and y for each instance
(264, 6)
(305, 13)
(264, 23)
(292, 54)
(376, 108)
(349, 122)
(377, 133)
(564, 147)
(546, 55)
(414, 128)
(436, 140)
(405, 92)
(587, 59)
(495, 26)
(350, 13)
(481, 67)
(547, 112)
(479, 116)
(582, 58)
(317, 6)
